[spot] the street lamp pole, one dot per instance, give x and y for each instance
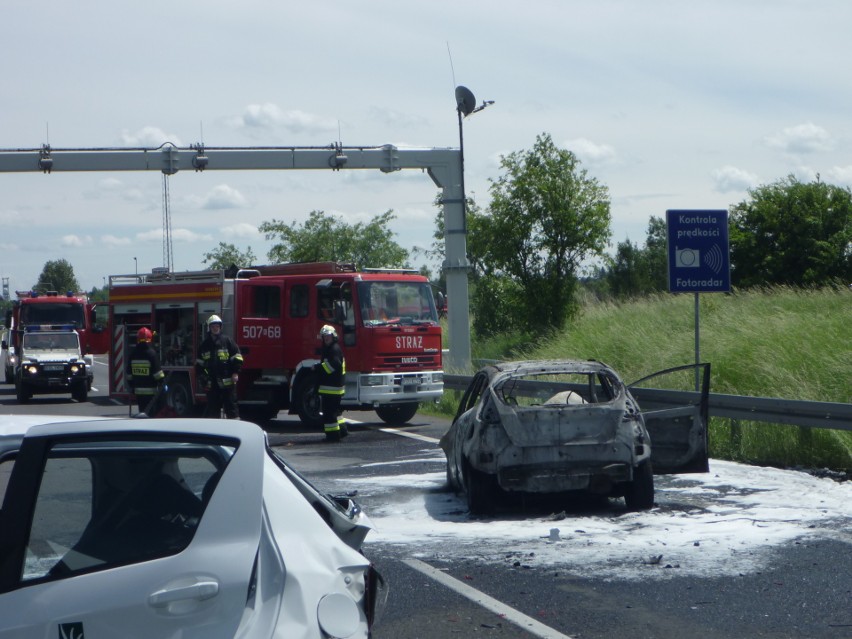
(135, 266)
(456, 265)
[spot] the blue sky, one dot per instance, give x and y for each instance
(668, 104)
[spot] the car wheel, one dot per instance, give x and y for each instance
(397, 413)
(481, 491)
(23, 393)
(308, 402)
(10, 377)
(639, 494)
(80, 392)
(179, 398)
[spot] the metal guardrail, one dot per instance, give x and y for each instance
(832, 415)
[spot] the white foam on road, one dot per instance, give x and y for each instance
(724, 522)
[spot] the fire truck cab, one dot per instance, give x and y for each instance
(387, 322)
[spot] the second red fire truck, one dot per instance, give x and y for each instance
(386, 319)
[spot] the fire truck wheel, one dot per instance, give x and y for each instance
(179, 398)
(397, 413)
(308, 402)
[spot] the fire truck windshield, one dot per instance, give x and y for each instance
(396, 303)
(65, 313)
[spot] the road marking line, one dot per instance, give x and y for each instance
(402, 433)
(507, 612)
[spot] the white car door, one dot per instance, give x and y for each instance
(90, 552)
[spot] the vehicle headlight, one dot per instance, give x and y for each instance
(338, 615)
(372, 380)
(31, 369)
(75, 368)
(437, 377)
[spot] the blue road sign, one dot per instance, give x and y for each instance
(698, 251)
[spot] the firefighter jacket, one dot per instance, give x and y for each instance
(218, 358)
(145, 371)
(331, 369)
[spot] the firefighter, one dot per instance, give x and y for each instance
(146, 374)
(331, 371)
(218, 366)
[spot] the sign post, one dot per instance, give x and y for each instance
(698, 257)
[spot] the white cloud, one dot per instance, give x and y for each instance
(802, 138)
(242, 230)
(270, 116)
(149, 137)
(112, 240)
(223, 197)
(185, 235)
(178, 235)
(840, 175)
(730, 178)
(75, 241)
(591, 153)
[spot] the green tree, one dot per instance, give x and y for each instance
(791, 232)
(57, 275)
(326, 238)
(634, 270)
(546, 216)
(226, 255)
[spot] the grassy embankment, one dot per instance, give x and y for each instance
(779, 342)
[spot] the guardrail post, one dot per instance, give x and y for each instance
(736, 439)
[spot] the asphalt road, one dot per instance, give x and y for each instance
(459, 587)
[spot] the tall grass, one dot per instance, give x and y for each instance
(776, 342)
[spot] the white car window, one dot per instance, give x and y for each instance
(102, 505)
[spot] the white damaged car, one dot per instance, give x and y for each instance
(172, 528)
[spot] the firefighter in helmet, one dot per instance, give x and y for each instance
(218, 366)
(146, 374)
(330, 372)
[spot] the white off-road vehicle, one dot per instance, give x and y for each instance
(52, 362)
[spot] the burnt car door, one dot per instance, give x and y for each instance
(453, 440)
(139, 531)
(677, 417)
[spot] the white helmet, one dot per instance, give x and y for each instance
(328, 329)
(213, 319)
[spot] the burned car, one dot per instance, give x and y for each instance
(548, 427)
(172, 527)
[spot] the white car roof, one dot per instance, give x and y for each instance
(11, 425)
(36, 425)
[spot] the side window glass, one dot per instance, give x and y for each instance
(103, 506)
(299, 301)
(266, 301)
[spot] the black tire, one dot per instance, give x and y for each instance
(23, 392)
(179, 398)
(397, 413)
(639, 494)
(10, 376)
(80, 392)
(481, 491)
(307, 401)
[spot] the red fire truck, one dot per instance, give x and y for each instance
(52, 309)
(386, 319)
